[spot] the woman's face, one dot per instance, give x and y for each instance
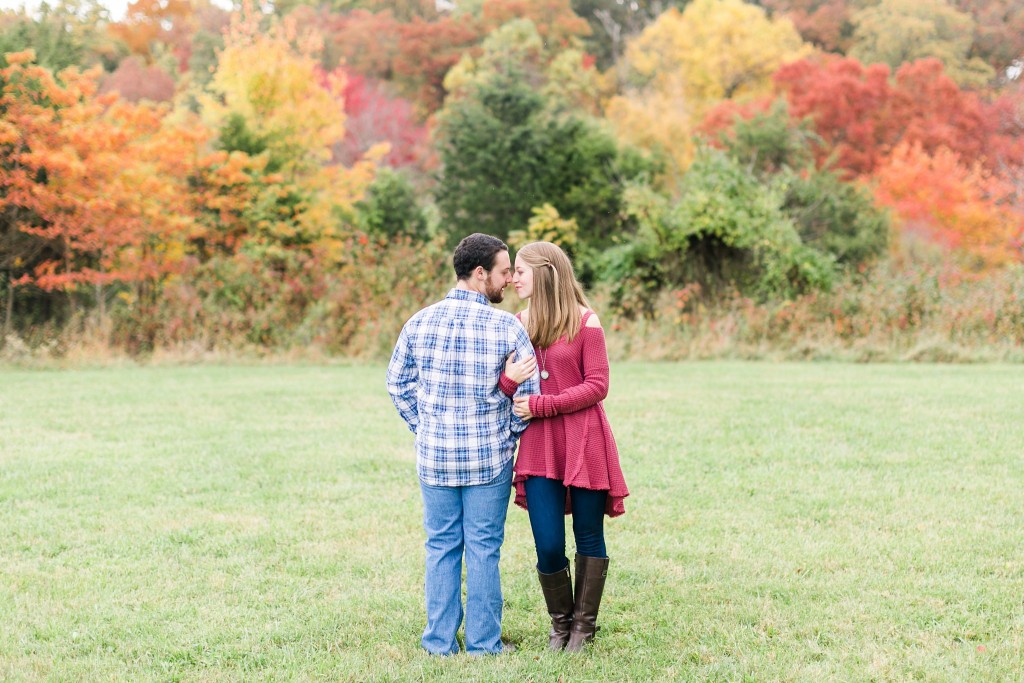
(522, 279)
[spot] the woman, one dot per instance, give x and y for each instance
(568, 462)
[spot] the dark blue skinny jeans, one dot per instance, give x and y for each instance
(545, 501)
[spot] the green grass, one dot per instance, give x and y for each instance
(795, 522)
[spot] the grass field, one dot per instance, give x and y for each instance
(793, 522)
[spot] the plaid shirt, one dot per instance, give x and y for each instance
(443, 378)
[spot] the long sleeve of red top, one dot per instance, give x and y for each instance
(591, 391)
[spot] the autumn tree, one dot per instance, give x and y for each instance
(61, 34)
(415, 56)
(561, 73)
(713, 50)
(897, 32)
(134, 81)
(148, 23)
(374, 116)
(826, 24)
(861, 113)
(101, 183)
(953, 201)
(269, 100)
(998, 31)
(686, 62)
(557, 24)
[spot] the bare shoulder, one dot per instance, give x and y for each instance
(593, 320)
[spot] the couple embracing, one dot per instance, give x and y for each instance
(470, 380)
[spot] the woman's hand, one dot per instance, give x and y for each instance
(520, 371)
(521, 407)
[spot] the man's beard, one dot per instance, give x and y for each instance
(496, 295)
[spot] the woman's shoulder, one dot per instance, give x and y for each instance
(590, 318)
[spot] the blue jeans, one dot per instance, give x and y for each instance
(468, 519)
(545, 501)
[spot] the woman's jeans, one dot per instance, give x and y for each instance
(468, 519)
(545, 501)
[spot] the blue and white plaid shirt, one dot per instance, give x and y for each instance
(443, 378)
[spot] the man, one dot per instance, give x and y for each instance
(443, 378)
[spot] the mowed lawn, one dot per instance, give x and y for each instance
(793, 522)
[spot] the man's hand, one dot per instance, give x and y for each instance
(521, 407)
(520, 371)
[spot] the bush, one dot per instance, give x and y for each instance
(390, 208)
(895, 311)
(726, 230)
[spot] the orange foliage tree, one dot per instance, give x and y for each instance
(149, 22)
(102, 182)
(957, 203)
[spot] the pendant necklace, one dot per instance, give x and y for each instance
(543, 365)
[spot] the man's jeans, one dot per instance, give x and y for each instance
(470, 518)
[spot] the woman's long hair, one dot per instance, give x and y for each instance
(557, 296)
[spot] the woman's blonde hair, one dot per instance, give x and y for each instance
(557, 296)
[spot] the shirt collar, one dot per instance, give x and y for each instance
(467, 295)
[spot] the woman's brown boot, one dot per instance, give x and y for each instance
(590, 575)
(558, 596)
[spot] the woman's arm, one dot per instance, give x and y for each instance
(594, 387)
(516, 372)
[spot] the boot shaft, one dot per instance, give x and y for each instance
(591, 573)
(558, 597)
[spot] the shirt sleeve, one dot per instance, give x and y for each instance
(402, 379)
(591, 391)
(524, 347)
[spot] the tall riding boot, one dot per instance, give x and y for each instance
(590, 575)
(557, 589)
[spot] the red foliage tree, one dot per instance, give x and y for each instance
(556, 22)
(373, 116)
(848, 103)
(134, 81)
(428, 50)
(825, 23)
(861, 113)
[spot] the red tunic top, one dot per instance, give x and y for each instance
(569, 437)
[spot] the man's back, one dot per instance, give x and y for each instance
(443, 378)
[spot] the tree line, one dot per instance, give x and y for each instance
(295, 176)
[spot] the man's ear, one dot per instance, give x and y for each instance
(480, 273)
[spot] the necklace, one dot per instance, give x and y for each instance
(543, 364)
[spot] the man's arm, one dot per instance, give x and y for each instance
(402, 379)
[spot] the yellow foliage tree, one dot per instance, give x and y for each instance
(269, 78)
(659, 122)
(686, 62)
(560, 72)
(715, 50)
(899, 31)
(270, 84)
(546, 225)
